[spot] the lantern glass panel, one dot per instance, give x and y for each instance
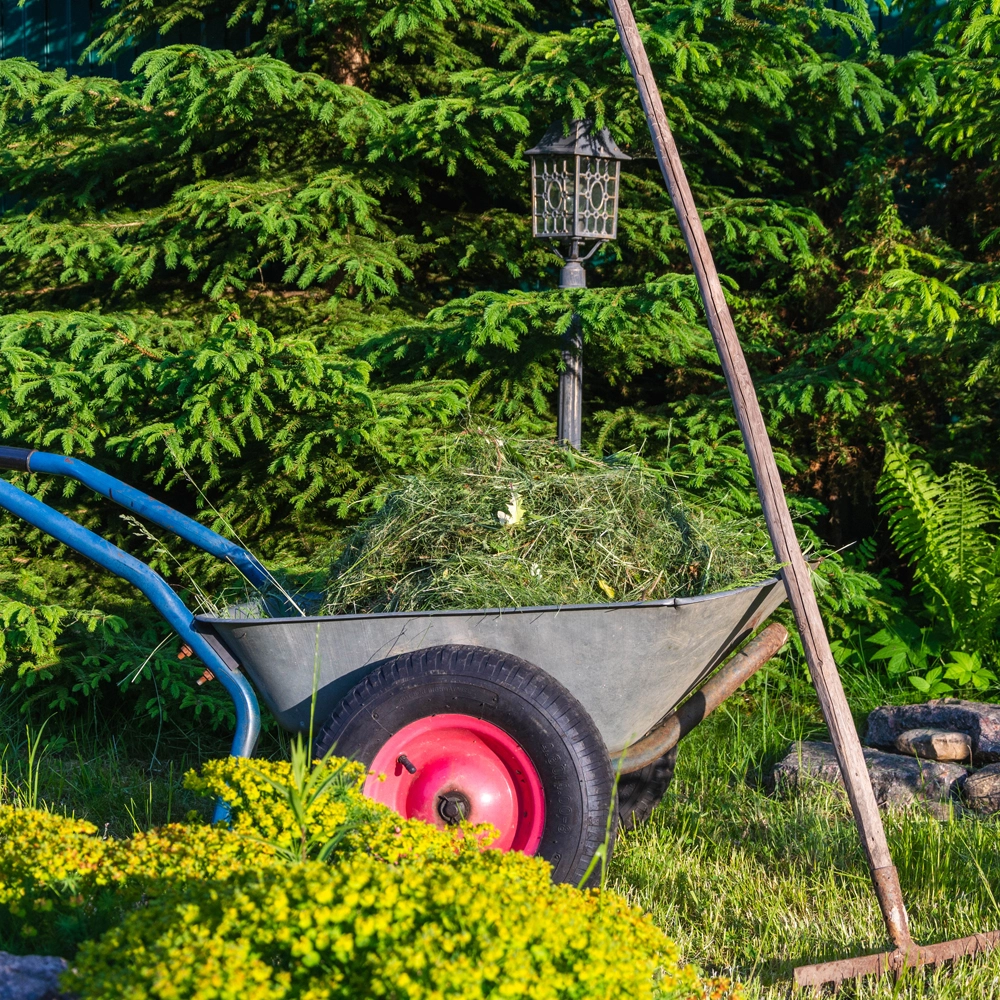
(597, 198)
(553, 195)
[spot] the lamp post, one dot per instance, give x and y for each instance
(574, 200)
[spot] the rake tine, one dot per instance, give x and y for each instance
(892, 962)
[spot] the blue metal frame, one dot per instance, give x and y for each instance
(145, 506)
(149, 582)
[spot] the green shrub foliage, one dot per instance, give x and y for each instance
(363, 928)
(402, 910)
(948, 530)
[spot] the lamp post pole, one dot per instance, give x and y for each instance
(570, 428)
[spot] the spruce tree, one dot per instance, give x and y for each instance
(260, 282)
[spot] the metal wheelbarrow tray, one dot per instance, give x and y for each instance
(628, 664)
(518, 717)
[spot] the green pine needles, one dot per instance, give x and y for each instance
(268, 282)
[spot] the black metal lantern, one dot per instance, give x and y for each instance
(574, 199)
(574, 184)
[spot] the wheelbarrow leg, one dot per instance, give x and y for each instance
(225, 668)
(795, 571)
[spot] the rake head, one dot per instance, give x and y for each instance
(893, 963)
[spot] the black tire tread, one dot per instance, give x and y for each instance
(640, 792)
(564, 715)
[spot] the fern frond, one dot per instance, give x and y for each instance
(946, 529)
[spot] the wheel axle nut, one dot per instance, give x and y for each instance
(453, 807)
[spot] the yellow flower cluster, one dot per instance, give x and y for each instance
(363, 928)
(259, 808)
(39, 849)
(254, 792)
(53, 867)
(404, 911)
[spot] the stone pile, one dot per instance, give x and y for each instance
(31, 977)
(979, 721)
(940, 755)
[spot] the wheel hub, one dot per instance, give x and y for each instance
(449, 769)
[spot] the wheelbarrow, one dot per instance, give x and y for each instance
(532, 719)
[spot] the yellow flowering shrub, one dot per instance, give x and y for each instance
(363, 928)
(258, 808)
(39, 849)
(403, 911)
(61, 883)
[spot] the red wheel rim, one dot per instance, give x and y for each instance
(464, 768)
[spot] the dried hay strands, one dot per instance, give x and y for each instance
(521, 524)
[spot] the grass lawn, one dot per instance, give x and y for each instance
(748, 885)
(751, 886)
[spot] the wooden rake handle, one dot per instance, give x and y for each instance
(795, 572)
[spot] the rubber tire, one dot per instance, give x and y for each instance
(640, 792)
(535, 709)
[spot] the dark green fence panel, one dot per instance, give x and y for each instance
(54, 33)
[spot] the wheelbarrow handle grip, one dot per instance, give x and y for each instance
(15, 459)
(24, 460)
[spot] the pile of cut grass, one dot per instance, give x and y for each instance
(526, 523)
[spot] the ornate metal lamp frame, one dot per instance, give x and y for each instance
(575, 177)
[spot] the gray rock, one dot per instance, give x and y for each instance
(935, 744)
(980, 721)
(981, 790)
(30, 977)
(898, 781)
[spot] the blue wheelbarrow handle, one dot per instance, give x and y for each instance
(207, 647)
(25, 460)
